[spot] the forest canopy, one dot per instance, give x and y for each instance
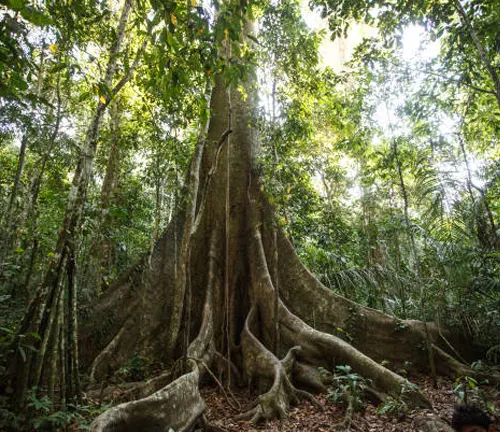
(170, 170)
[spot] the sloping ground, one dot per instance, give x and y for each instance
(305, 417)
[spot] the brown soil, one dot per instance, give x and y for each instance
(305, 417)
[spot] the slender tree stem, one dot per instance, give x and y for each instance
(482, 54)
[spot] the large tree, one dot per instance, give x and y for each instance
(223, 288)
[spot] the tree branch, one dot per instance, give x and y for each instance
(482, 55)
(125, 78)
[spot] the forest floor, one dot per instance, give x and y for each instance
(306, 417)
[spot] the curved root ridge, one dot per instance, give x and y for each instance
(178, 406)
(277, 400)
(263, 365)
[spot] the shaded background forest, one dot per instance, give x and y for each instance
(385, 172)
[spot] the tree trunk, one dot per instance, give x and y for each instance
(39, 322)
(404, 193)
(102, 253)
(487, 236)
(8, 233)
(36, 184)
(207, 297)
(492, 71)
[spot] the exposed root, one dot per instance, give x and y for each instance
(263, 365)
(374, 395)
(178, 406)
(275, 402)
(131, 391)
(373, 332)
(236, 405)
(322, 348)
(101, 362)
(223, 361)
(430, 422)
(205, 426)
(447, 365)
(345, 425)
(311, 377)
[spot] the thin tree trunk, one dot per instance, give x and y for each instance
(493, 228)
(482, 54)
(158, 207)
(54, 355)
(401, 288)
(9, 235)
(62, 353)
(430, 350)
(35, 191)
(39, 317)
(103, 247)
(73, 373)
(495, 242)
(467, 167)
(21, 160)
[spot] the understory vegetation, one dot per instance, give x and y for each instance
(162, 162)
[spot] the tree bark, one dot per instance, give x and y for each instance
(9, 226)
(217, 289)
(35, 192)
(102, 254)
(8, 235)
(39, 320)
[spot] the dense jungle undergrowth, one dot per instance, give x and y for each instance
(214, 207)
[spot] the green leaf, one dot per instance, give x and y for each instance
(84, 96)
(35, 16)
(30, 347)
(17, 4)
(22, 352)
(384, 408)
(58, 67)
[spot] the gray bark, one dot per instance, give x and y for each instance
(39, 317)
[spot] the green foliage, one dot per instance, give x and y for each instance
(42, 414)
(16, 67)
(393, 407)
(329, 138)
(400, 325)
(135, 369)
(347, 387)
(396, 406)
(360, 246)
(469, 391)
